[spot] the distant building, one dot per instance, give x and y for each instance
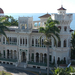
(23, 49)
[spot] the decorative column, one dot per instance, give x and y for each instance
(28, 41)
(34, 57)
(40, 24)
(56, 61)
(2, 53)
(67, 29)
(37, 25)
(43, 58)
(62, 29)
(22, 41)
(9, 54)
(5, 40)
(67, 43)
(19, 57)
(34, 41)
(27, 54)
(16, 54)
(13, 54)
(62, 42)
(6, 53)
(39, 57)
(19, 41)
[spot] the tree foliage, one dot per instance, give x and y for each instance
(50, 30)
(3, 25)
(62, 71)
(7, 21)
(12, 21)
(73, 45)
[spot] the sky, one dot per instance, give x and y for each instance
(36, 6)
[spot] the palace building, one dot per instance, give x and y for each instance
(23, 49)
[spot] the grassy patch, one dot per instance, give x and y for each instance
(5, 73)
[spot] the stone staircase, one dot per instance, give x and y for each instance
(22, 65)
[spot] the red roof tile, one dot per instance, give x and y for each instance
(61, 8)
(45, 16)
(1, 11)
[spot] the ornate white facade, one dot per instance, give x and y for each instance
(23, 48)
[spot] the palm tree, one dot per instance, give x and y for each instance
(3, 26)
(73, 45)
(63, 71)
(50, 30)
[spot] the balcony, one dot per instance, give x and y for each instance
(40, 64)
(10, 43)
(11, 60)
(41, 46)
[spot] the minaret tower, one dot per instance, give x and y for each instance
(63, 52)
(61, 10)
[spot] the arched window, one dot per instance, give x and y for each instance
(26, 41)
(59, 43)
(54, 59)
(35, 24)
(58, 61)
(36, 42)
(4, 40)
(64, 60)
(65, 28)
(37, 57)
(23, 41)
(20, 40)
(32, 42)
(42, 42)
(59, 27)
(64, 43)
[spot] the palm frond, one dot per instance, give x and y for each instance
(41, 30)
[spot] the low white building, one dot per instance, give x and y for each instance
(23, 49)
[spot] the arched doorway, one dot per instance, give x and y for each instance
(23, 57)
(37, 57)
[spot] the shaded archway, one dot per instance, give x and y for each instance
(23, 58)
(58, 61)
(64, 60)
(64, 43)
(7, 53)
(37, 57)
(15, 56)
(11, 54)
(45, 58)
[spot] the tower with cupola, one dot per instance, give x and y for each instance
(63, 50)
(1, 12)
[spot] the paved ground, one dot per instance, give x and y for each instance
(14, 70)
(20, 71)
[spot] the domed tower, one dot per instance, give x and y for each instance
(63, 50)
(61, 10)
(1, 12)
